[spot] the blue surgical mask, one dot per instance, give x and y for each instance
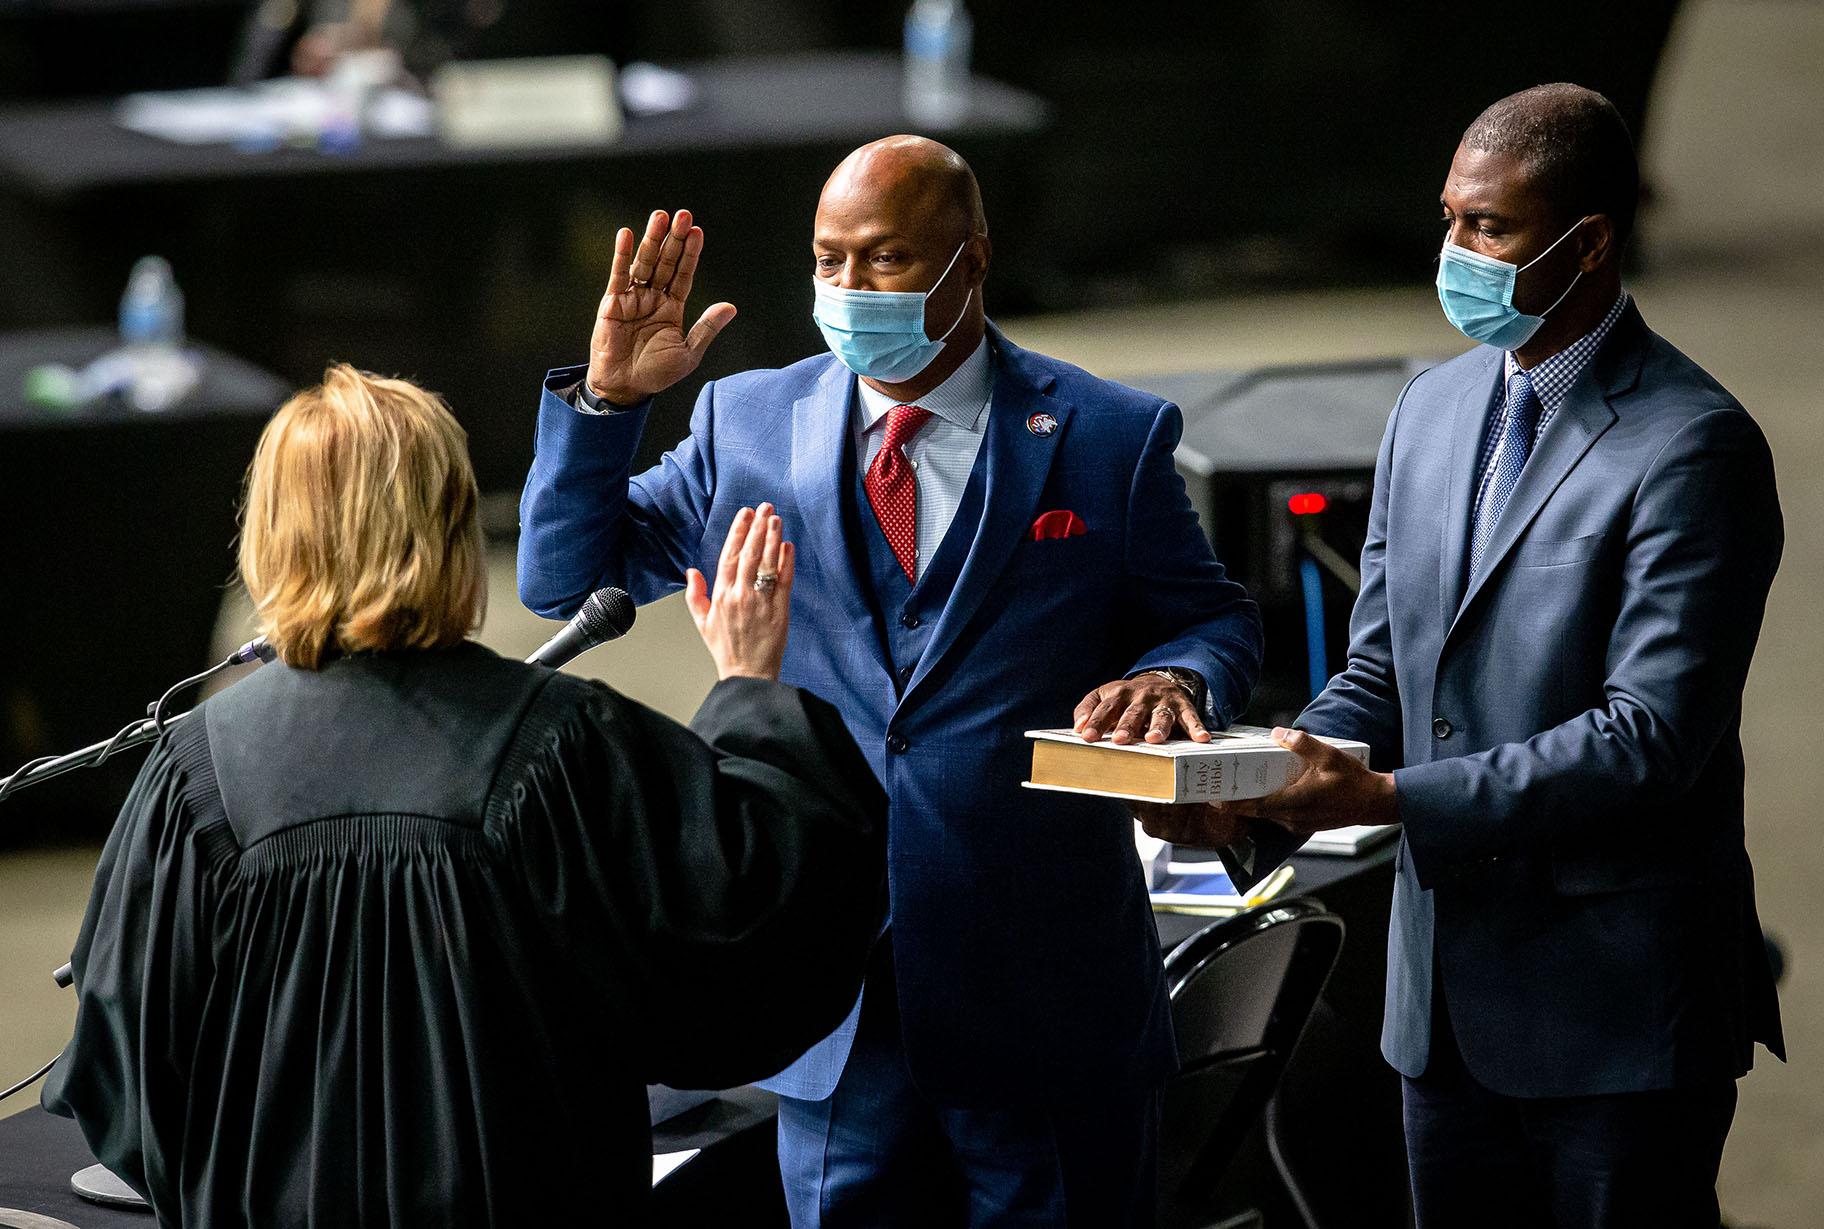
(880, 334)
(1477, 293)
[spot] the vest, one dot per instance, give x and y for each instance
(904, 614)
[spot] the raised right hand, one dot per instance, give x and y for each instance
(639, 347)
(744, 626)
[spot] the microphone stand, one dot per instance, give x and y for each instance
(134, 735)
(97, 1183)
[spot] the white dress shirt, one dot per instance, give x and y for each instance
(942, 453)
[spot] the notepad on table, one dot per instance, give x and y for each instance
(1350, 841)
(1205, 887)
(664, 1164)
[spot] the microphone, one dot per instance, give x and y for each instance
(254, 650)
(606, 615)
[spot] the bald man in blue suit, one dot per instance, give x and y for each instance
(989, 541)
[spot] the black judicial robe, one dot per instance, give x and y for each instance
(401, 941)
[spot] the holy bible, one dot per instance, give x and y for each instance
(1240, 762)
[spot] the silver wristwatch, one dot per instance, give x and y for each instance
(1190, 680)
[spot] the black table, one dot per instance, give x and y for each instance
(476, 270)
(119, 541)
(39, 1152)
(780, 102)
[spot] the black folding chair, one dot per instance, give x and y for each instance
(1241, 989)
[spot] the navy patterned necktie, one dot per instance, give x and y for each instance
(1519, 421)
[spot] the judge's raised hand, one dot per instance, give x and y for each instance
(639, 347)
(743, 622)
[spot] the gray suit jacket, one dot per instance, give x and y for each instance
(1564, 728)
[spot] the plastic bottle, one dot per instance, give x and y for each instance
(936, 84)
(152, 309)
(151, 371)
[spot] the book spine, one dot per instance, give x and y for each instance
(1206, 778)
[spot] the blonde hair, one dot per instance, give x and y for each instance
(359, 528)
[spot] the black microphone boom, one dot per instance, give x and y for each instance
(606, 615)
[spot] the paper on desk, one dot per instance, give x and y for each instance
(665, 1163)
(267, 111)
(647, 89)
(1352, 840)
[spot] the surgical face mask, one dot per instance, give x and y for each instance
(880, 334)
(1477, 293)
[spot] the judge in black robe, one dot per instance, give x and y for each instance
(401, 939)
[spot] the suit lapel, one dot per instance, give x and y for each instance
(820, 433)
(1018, 462)
(1579, 423)
(1468, 426)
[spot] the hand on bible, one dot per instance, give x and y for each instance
(639, 347)
(1148, 706)
(743, 622)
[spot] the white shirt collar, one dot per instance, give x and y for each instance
(959, 400)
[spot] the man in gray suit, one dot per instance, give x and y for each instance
(1572, 536)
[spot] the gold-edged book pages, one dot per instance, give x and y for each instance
(1240, 762)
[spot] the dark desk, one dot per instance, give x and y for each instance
(39, 1152)
(742, 104)
(119, 539)
(474, 271)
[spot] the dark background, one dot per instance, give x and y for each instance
(1189, 147)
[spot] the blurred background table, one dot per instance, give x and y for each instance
(472, 270)
(120, 527)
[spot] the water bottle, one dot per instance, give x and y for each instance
(938, 34)
(151, 371)
(152, 309)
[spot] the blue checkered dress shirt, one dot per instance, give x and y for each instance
(1552, 379)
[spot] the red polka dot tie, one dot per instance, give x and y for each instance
(892, 490)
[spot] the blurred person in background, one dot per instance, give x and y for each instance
(1573, 533)
(394, 931)
(995, 540)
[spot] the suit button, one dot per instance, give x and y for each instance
(1441, 728)
(905, 672)
(897, 744)
(909, 620)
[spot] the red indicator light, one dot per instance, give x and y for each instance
(1307, 504)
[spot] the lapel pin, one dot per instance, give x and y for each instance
(1041, 425)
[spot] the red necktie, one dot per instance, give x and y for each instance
(892, 490)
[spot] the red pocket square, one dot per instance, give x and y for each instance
(1058, 524)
